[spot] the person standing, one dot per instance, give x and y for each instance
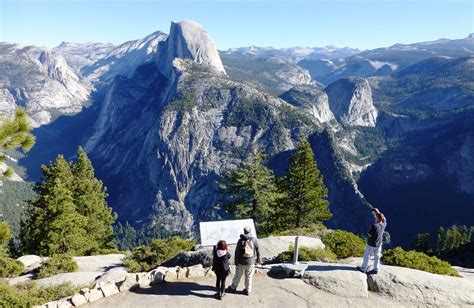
(374, 243)
(220, 266)
(246, 254)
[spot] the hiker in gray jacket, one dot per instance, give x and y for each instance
(374, 243)
(246, 254)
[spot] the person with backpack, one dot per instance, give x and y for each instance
(246, 254)
(374, 243)
(220, 266)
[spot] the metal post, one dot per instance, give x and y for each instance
(295, 254)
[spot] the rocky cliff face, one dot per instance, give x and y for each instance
(40, 80)
(350, 99)
(188, 40)
(79, 55)
(123, 59)
(311, 99)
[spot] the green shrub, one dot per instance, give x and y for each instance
(61, 263)
(10, 267)
(308, 254)
(145, 258)
(344, 244)
(29, 294)
(417, 260)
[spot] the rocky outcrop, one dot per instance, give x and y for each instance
(78, 55)
(188, 40)
(124, 59)
(311, 99)
(338, 279)
(350, 100)
(40, 80)
(408, 285)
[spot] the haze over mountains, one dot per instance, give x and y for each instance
(165, 116)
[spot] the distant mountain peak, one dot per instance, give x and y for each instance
(188, 40)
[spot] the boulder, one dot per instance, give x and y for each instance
(196, 271)
(271, 247)
(86, 293)
(78, 299)
(95, 294)
(143, 279)
(115, 274)
(64, 303)
(109, 289)
(338, 279)
(129, 283)
(190, 258)
(30, 262)
(409, 285)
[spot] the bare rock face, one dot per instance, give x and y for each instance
(40, 80)
(312, 100)
(188, 40)
(350, 99)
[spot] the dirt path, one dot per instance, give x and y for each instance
(268, 292)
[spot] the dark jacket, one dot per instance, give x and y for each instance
(239, 251)
(220, 265)
(376, 234)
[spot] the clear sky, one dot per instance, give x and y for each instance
(363, 24)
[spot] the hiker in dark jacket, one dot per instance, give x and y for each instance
(246, 254)
(374, 243)
(220, 266)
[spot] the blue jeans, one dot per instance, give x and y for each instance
(377, 252)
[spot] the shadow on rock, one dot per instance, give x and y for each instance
(178, 288)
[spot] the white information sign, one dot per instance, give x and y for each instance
(228, 230)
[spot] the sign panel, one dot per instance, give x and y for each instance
(228, 230)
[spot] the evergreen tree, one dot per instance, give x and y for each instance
(126, 236)
(55, 226)
(5, 236)
(69, 214)
(305, 196)
(15, 133)
(422, 243)
(89, 196)
(441, 239)
(251, 192)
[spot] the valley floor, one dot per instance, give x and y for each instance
(267, 292)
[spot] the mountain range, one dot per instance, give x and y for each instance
(163, 117)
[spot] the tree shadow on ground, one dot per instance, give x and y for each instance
(183, 288)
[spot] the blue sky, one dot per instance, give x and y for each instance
(363, 24)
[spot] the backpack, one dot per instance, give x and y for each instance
(248, 249)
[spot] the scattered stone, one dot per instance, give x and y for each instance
(109, 288)
(411, 285)
(95, 294)
(78, 299)
(338, 279)
(116, 274)
(30, 262)
(196, 271)
(143, 279)
(129, 283)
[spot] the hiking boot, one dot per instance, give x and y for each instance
(246, 292)
(217, 295)
(360, 269)
(231, 290)
(222, 296)
(373, 272)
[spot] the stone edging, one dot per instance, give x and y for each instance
(132, 281)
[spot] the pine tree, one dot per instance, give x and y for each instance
(422, 243)
(15, 133)
(89, 195)
(5, 236)
(126, 236)
(55, 226)
(305, 196)
(251, 192)
(441, 240)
